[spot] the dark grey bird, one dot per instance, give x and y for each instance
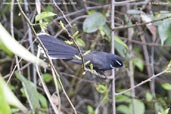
(58, 49)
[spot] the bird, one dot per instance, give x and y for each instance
(58, 49)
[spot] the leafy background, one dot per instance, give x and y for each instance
(145, 50)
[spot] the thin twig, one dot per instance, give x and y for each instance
(46, 90)
(62, 13)
(140, 24)
(113, 51)
(131, 69)
(143, 82)
(12, 34)
(95, 8)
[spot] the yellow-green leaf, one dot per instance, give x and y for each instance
(44, 15)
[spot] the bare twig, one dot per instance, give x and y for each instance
(12, 34)
(140, 24)
(61, 12)
(145, 81)
(97, 7)
(113, 51)
(131, 69)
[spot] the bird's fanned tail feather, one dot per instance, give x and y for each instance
(56, 48)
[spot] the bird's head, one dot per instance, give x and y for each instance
(116, 61)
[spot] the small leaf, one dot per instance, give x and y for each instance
(47, 77)
(105, 30)
(87, 62)
(43, 25)
(117, 39)
(149, 96)
(77, 57)
(166, 86)
(68, 42)
(91, 66)
(138, 62)
(120, 46)
(43, 101)
(62, 25)
(165, 111)
(123, 109)
(93, 22)
(86, 53)
(75, 34)
(44, 15)
(101, 88)
(123, 98)
(90, 110)
(80, 42)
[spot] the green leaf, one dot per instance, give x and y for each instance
(69, 42)
(5, 49)
(123, 109)
(43, 25)
(168, 41)
(18, 49)
(4, 107)
(9, 97)
(62, 25)
(90, 110)
(123, 98)
(101, 88)
(120, 46)
(117, 39)
(80, 42)
(30, 91)
(75, 34)
(47, 77)
(91, 67)
(43, 101)
(86, 53)
(139, 107)
(93, 22)
(165, 111)
(87, 62)
(105, 30)
(164, 28)
(44, 15)
(166, 86)
(149, 96)
(138, 62)
(77, 57)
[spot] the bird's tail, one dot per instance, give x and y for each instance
(57, 49)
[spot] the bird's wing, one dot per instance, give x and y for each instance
(57, 48)
(97, 59)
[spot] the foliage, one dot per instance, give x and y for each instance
(142, 37)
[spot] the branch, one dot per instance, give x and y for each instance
(143, 82)
(140, 24)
